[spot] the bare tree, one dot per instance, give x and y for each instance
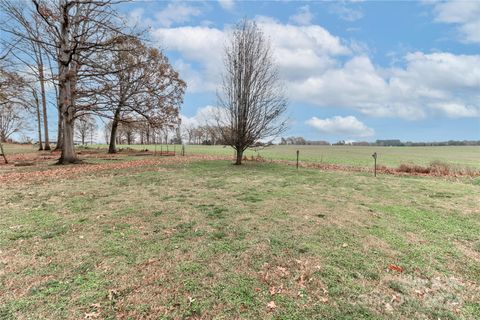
(106, 131)
(190, 133)
(38, 114)
(30, 101)
(145, 87)
(251, 99)
(11, 86)
(85, 126)
(12, 103)
(11, 121)
(17, 95)
(26, 44)
(77, 29)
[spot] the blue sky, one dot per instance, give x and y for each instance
(352, 70)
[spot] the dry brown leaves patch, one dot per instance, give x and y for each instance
(295, 279)
(401, 170)
(73, 171)
(13, 260)
(438, 292)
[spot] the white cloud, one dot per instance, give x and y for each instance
(345, 12)
(196, 81)
(202, 46)
(134, 17)
(311, 62)
(301, 50)
(227, 4)
(176, 12)
(427, 82)
(205, 116)
(298, 49)
(303, 16)
(457, 110)
(345, 126)
(313, 37)
(195, 43)
(464, 14)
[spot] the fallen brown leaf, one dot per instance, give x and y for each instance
(271, 305)
(394, 267)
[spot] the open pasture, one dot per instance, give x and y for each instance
(11, 148)
(460, 156)
(182, 237)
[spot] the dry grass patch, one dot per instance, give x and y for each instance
(205, 239)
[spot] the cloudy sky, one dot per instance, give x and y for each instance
(352, 70)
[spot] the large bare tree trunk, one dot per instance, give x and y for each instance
(44, 102)
(68, 151)
(39, 122)
(65, 94)
(59, 145)
(239, 156)
(112, 148)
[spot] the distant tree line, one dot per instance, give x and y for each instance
(383, 143)
(398, 143)
(137, 131)
(203, 134)
(302, 141)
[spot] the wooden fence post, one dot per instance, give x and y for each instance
(298, 152)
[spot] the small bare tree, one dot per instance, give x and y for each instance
(11, 121)
(18, 97)
(251, 99)
(85, 126)
(12, 103)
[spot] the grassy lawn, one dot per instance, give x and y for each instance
(458, 156)
(18, 148)
(347, 155)
(261, 241)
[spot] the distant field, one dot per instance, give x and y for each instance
(19, 148)
(347, 155)
(344, 155)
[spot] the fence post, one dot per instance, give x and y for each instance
(374, 155)
(298, 152)
(183, 150)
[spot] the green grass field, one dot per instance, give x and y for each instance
(348, 155)
(209, 240)
(19, 148)
(459, 156)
